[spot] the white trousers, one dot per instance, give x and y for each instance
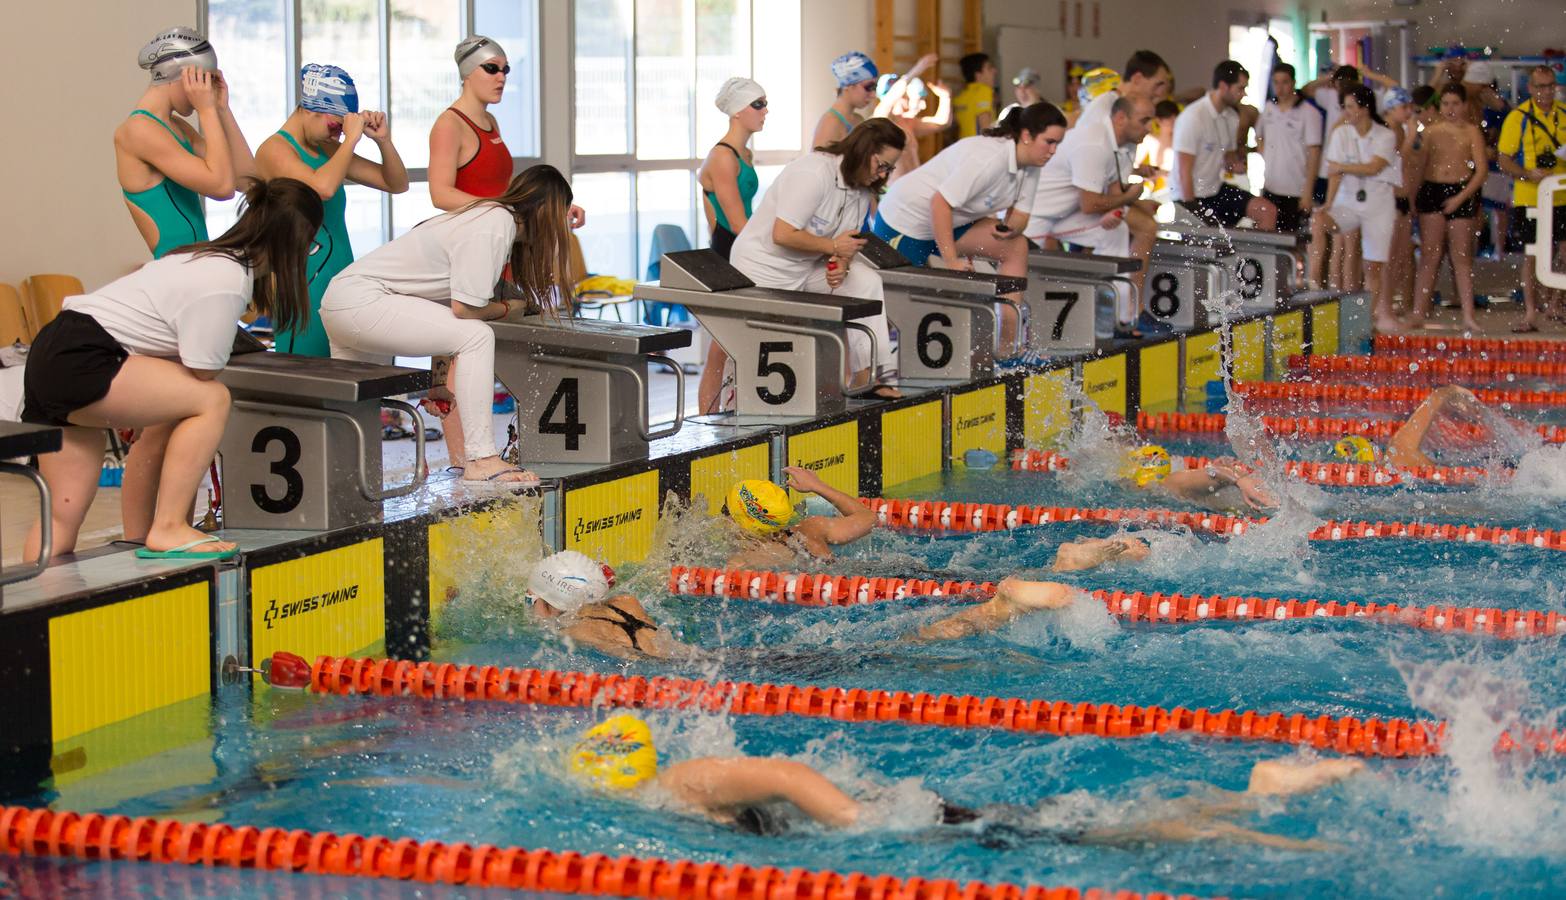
(391, 325)
(862, 282)
(1087, 230)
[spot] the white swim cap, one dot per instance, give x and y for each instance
(474, 51)
(171, 50)
(1478, 72)
(568, 580)
(736, 94)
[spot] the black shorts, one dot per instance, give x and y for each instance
(1522, 229)
(1226, 208)
(1319, 191)
(70, 365)
(1288, 211)
(1434, 194)
(1403, 206)
(722, 241)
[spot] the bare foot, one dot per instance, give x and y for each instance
(163, 539)
(495, 470)
(1469, 325)
(1276, 777)
(1388, 325)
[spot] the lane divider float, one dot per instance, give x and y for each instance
(1313, 427)
(93, 836)
(945, 515)
(1436, 369)
(1383, 397)
(1494, 348)
(821, 589)
(1341, 474)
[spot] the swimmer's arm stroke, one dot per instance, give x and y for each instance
(1404, 447)
(854, 520)
(718, 785)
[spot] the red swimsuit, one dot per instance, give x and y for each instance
(489, 171)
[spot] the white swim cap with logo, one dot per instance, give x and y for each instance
(568, 580)
(171, 50)
(474, 51)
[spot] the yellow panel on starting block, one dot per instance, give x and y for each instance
(613, 521)
(1104, 383)
(482, 541)
(332, 602)
(1324, 328)
(1288, 339)
(1160, 380)
(713, 476)
(1249, 359)
(1046, 408)
(831, 452)
(910, 443)
(979, 421)
(114, 662)
(1203, 363)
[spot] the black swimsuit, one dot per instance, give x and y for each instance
(999, 827)
(631, 624)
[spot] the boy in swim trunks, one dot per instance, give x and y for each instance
(759, 794)
(1453, 166)
(773, 538)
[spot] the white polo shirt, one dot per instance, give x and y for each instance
(1205, 132)
(180, 307)
(809, 194)
(1349, 146)
(455, 256)
(978, 176)
(1286, 136)
(1093, 163)
(1327, 99)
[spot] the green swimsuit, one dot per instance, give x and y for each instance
(330, 255)
(747, 182)
(175, 210)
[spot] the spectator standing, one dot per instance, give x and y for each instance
(1290, 137)
(1530, 150)
(1204, 144)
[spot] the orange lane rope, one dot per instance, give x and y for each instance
(944, 515)
(1348, 735)
(820, 589)
(50, 833)
(1492, 348)
(1312, 427)
(1433, 369)
(1343, 474)
(1357, 394)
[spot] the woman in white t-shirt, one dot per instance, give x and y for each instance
(1362, 180)
(963, 202)
(142, 352)
(803, 235)
(430, 293)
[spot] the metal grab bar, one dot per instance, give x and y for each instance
(1543, 246)
(834, 338)
(46, 517)
(679, 397)
(643, 426)
(361, 476)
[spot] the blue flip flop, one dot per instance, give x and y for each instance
(184, 551)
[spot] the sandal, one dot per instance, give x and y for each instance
(1524, 328)
(886, 392)
(530, 481)
(187, 551)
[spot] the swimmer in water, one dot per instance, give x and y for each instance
(774, 533)
(1220, 486)
(571, 590)
(1090, 553)
(1406, 448)
(1014, 598)
(762, 795)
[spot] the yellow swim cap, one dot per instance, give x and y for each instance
(1096, 83)
(760, 507)
(1147, 464)
(1355, 448)
(616, 754)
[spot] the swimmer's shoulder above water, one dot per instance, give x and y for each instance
(571, 591)
(777, 533)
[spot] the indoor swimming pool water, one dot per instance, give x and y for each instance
(1472, 823)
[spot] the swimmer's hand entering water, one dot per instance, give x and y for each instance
(1090, 553)
(1014, 597)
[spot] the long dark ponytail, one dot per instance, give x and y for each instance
(539, 198)
(1365, 97)
(277, 223)
(1033, 119)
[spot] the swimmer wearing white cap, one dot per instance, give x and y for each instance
(164, 165)
(571, 590)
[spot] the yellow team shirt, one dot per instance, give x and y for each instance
(971, 102)
(1518, 132)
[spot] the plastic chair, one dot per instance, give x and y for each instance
(588, 299)
(13, 320)
(665, 239)
(43, 295)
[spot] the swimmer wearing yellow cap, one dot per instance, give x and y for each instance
(618, 757)
(777, 535)
(1220, 486)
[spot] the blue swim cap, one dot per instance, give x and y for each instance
(327, 89)
(853, 68)
(1394, 97)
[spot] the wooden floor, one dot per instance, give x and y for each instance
(19, 505)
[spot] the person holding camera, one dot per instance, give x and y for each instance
(1530, 151)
